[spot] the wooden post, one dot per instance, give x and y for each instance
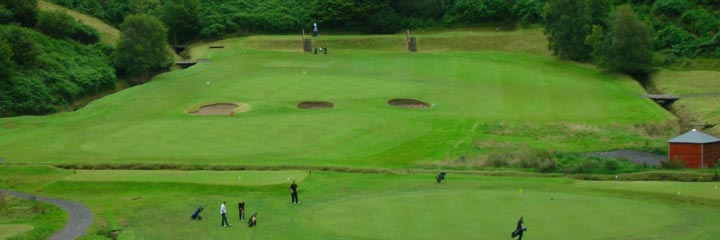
(412, 45)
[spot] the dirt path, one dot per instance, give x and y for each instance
(80, 216)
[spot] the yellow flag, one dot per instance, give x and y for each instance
(520, 190)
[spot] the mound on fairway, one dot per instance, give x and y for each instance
(408, 103)
(219, 109)
(315, 105)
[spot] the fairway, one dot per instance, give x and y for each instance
(473, 96)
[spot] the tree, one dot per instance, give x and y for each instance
(24, 12)
(626, 47)
(182, 18)
(567, 24)
(7, 66)
(142, 49)
(344, 13)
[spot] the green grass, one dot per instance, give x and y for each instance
(243, 178)
(26, 219)
(108, 34)
(696, 110)
(391, 206)
(476, 96)
(9, 230)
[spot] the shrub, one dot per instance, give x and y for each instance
(385, 21)
(670, 8)
(700, 22)
(497, 160)
(672, 164)
(477, 11)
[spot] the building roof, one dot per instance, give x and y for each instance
(694, 136)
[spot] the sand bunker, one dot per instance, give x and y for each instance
(408, 103)
(220, 109)
(315, 105)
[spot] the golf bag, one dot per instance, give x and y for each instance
(252, 221)
(196, 214)
(440, 177)
(517, 232)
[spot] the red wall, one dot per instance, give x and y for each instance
(712, 154)
(688, 152)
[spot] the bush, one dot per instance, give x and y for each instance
(384, 22)
(672, 164)
(672, 37)
(24, 12)
(670, 8)
(700, 22)
(477, 11)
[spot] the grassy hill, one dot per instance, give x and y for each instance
(108, 34)
(699, 92)
(480, 101)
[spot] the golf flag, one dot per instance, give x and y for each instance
(520, 190)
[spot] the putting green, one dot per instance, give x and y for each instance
(491, 214)
(243, 178)
(9, 230)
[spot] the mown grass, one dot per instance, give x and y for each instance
(702, 95)
(393, 206)
(476, 96)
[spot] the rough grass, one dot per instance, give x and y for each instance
(242, 178)
(108, 34)
(10, 230)
(26, 219)
(696, 109)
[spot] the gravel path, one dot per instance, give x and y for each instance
(638, 157)
(80, 216)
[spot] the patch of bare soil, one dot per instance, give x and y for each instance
(315, 105)
(215, 109)
(408, 103)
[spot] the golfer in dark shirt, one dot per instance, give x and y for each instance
(241, 209)
(293, 192)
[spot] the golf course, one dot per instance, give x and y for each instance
(363, 127)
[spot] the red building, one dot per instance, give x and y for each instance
(695, 148)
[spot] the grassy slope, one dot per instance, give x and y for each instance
(703, 109)
(382, 206)
(475, 94)
(108, 34)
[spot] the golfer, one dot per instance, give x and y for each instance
(315, 30)
(223, 212)
(241, 210)
(293, 193)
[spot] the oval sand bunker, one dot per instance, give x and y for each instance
(408, 103)
(315, 105)
(219, 109)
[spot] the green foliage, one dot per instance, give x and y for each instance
(670, 8)
(24, 49)
(529, 11)
(5, 15)
(7, 65)
(142, 49)
(384, 21)
(59, 24)
(476, 11)
(567, 26)
(344, 13)
(626, 47)
(24, 12)
(700, 22)
(182, 17)
(672, 164)
(50, 72)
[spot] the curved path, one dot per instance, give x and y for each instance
(80, 216)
